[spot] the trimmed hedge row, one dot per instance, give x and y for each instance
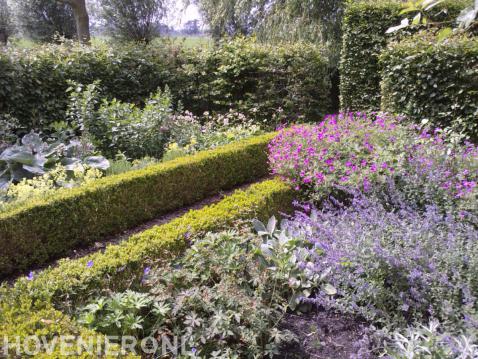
(240, 74)
(423, 79)
(26, 308)
(364, 26)
(46, 229)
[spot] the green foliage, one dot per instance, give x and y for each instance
(364, 26)
(231, 17)
(251, 78)
(8, 129)
(258, 80)
(216, 295)
(136, 132)
(34, 156)
(47, 228)
(279, 256)
(135, 20)
(25, 308)
(42, 20)
(430, 342)
(426, 80)
(317, 21)
(26, 190)
(188, 136)
(121, 266)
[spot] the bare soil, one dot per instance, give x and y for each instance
(322, 335)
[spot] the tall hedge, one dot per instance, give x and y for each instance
(239, 74)
(46, 229)
(437, 81)
(364, 26)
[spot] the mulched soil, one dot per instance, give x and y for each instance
(116, 239)
(322, 335)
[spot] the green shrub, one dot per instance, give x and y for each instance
(121, 266)
(248, 77)
(135, 132)
(423, 79)
(364, 26)
(257, 80)
(218, 287)
(48, 228)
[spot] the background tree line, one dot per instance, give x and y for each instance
(43, 20)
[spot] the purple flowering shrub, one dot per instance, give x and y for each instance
(367, 151)
(348, 149)
(434, 171)
(392, 267)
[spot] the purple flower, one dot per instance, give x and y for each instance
(31, 276)
(89, 264)
(146, 271)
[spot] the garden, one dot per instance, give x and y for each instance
(305, 186)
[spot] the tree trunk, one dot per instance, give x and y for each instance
(3, 38)
(82, 20)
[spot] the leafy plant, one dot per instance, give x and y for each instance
(189, 134)
(393, 267)
(125, 127)
(429, 342)
(283, 257)
(121, 314)
(348, 149)
(35, 157)
(216, 296)
(420, 10)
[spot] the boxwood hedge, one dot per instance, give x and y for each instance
(364, 26)
(239, 74)
(437, 81)
(27, 307)
(46, 229)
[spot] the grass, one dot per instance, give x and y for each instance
(186, 41)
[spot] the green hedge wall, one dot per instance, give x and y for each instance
(364, 26)
(241, 74)
(423, 79)
(26, 309)
(43, 230)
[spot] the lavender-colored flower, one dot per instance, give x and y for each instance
(31, 276)
(392, 266)
(89, 264)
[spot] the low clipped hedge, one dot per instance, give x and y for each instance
(364, 25)
(436, 81)
(240, 74)
(47, 229)
(26, 309)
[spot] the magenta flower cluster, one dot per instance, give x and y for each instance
(344, 149)
(358, 150)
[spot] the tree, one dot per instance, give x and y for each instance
(135, 20)
(6, 22)
(231, 17)
(41, 20)
(318, 21)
